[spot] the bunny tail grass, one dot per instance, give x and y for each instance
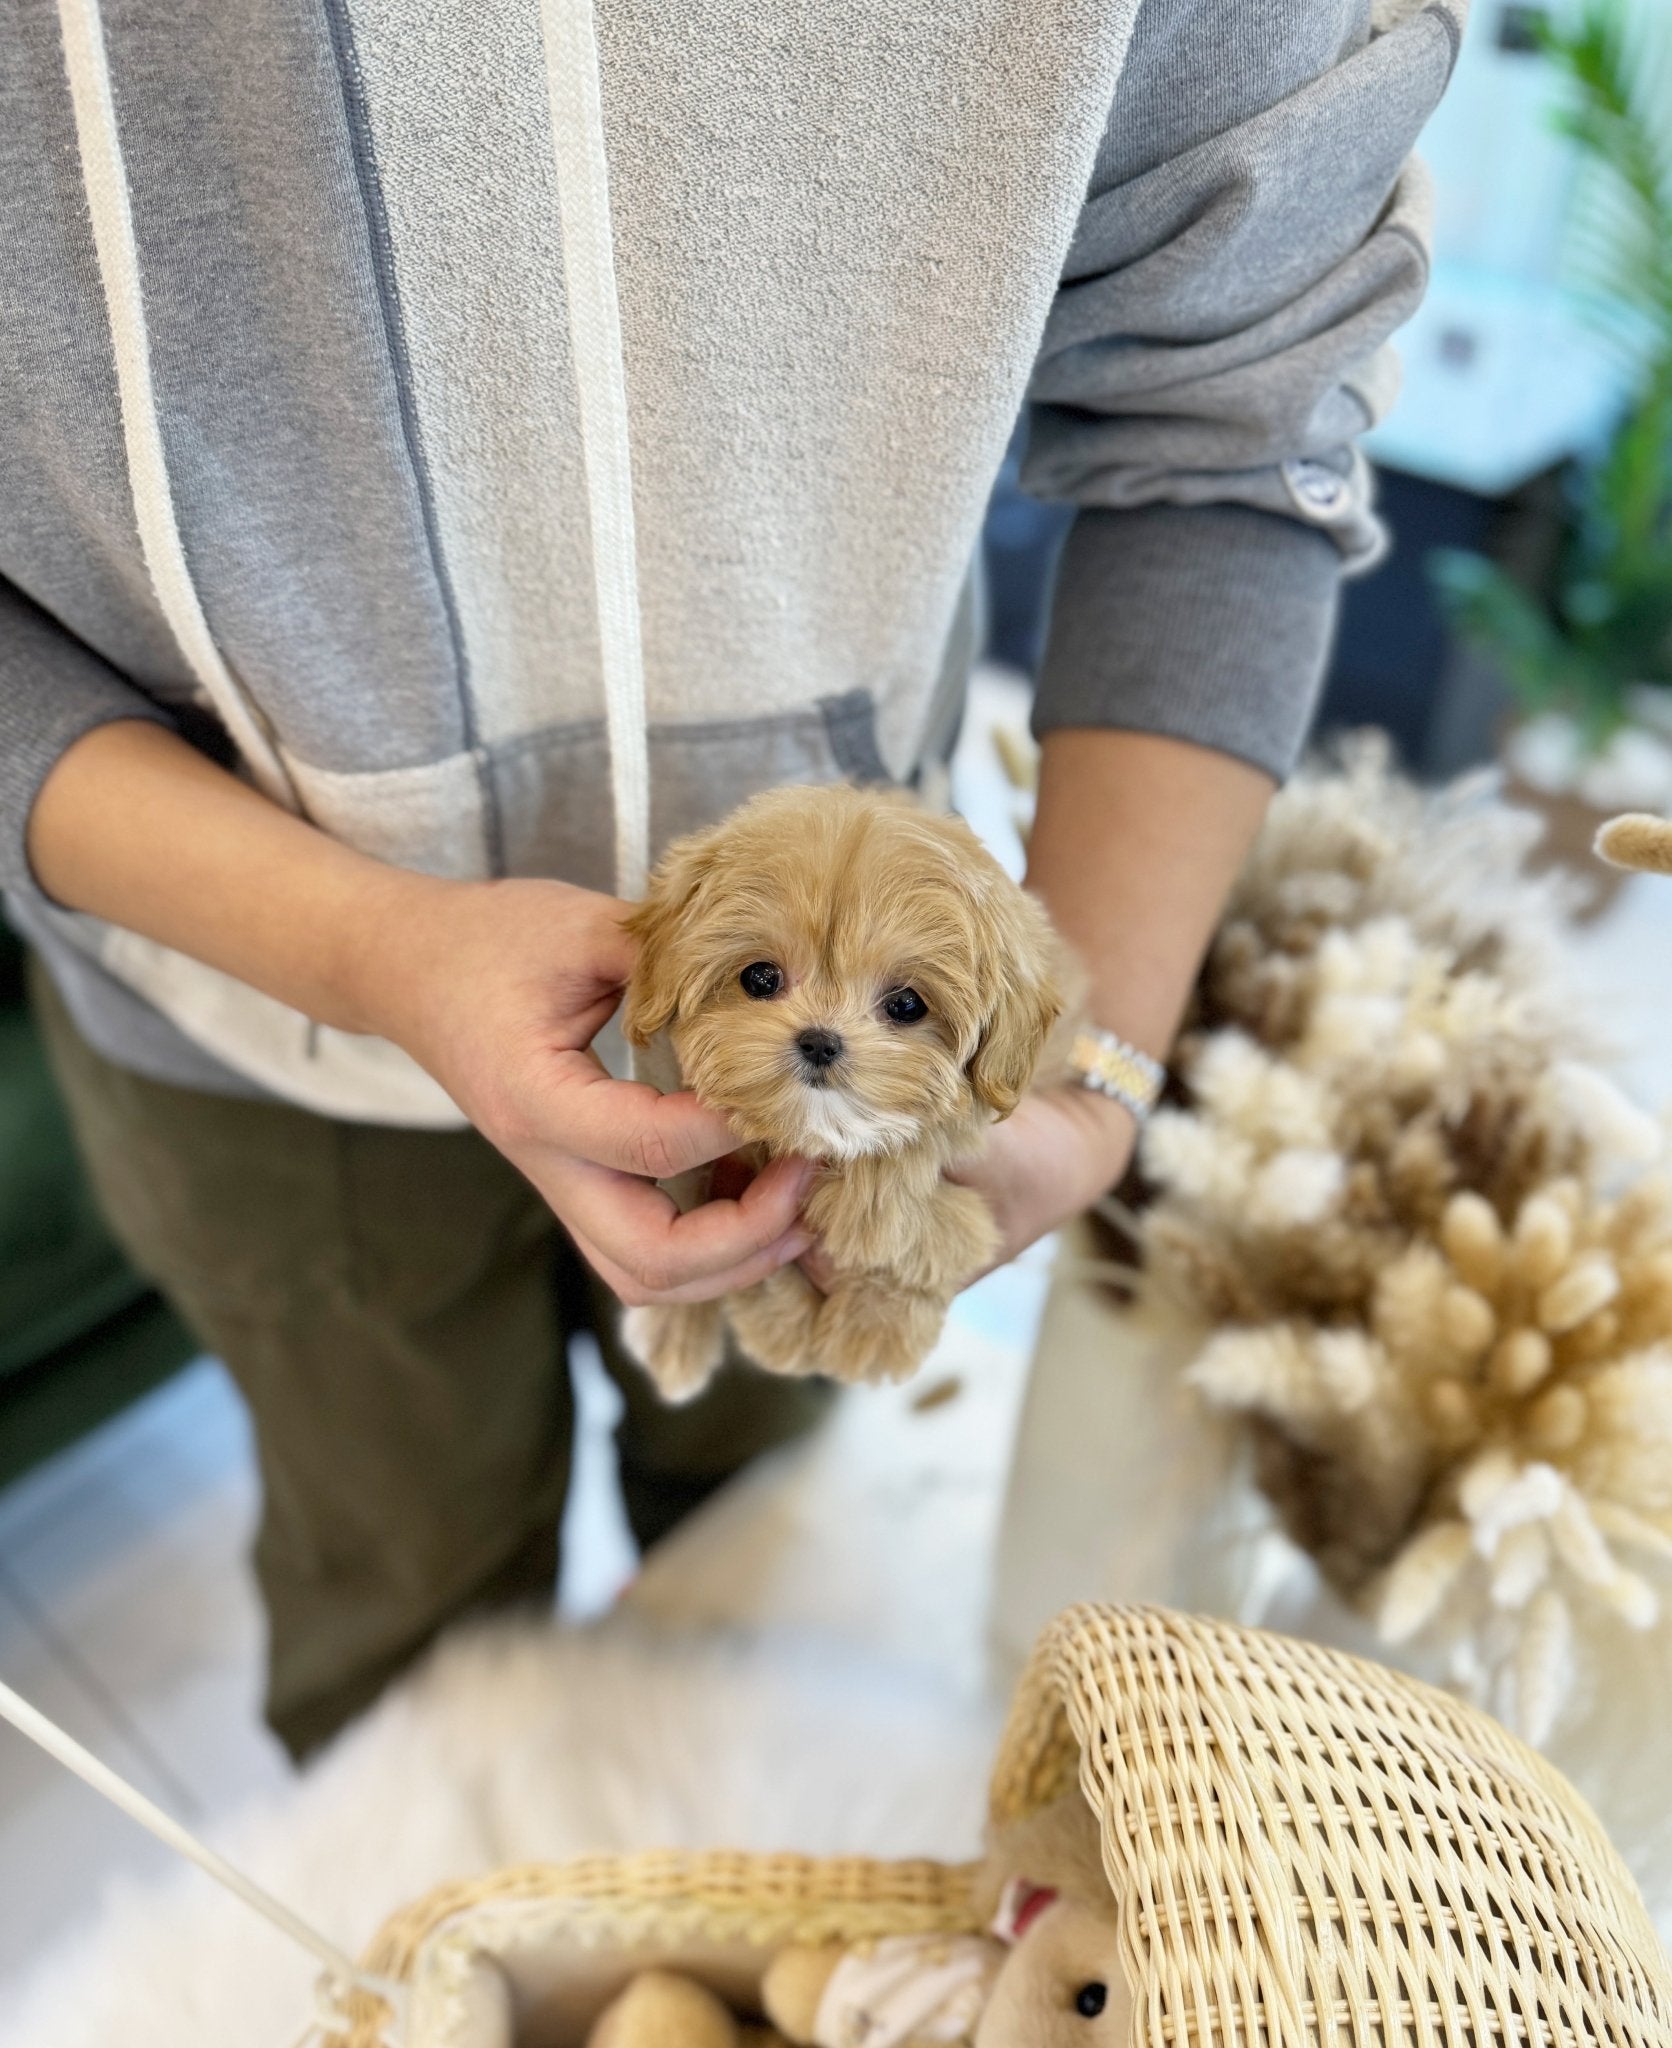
(1637, 840)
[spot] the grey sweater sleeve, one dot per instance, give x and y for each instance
(53, 689)
(1255, 230)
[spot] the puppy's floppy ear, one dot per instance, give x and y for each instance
(1026, 997)
(661, 964)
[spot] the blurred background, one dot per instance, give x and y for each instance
(1525, 611)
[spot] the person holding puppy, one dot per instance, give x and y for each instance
(305, 739)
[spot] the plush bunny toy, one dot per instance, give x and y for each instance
(1048, 1975)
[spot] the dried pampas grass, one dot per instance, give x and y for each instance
(1425, 1235)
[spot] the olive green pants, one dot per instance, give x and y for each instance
(394, 1306)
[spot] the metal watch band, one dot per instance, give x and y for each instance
(1106, 1063)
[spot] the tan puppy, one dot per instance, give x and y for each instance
(854, 980)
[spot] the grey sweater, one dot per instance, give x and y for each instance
(851, 242)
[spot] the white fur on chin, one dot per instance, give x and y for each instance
(836, 1126)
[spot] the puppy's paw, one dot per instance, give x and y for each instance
(680, 1344)
(774, 1321)
(869, 1333)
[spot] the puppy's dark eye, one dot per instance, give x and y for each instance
(761, 979)
(1090, 2000)
(904, 1006)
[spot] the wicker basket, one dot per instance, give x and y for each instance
(1309, 1852)
(531, 1956)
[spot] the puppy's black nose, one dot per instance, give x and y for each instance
(819, 1048)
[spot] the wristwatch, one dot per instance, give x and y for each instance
(1109, 1066)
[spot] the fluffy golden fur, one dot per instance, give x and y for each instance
(854, 900)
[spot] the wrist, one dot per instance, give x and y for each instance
(1136, 843)
(1108, 1129)
(384, 943)
(1106, 1064)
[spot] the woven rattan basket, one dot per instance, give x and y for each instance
(1309, 1852)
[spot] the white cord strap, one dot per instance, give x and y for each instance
(583, 195)
(104, 175)
(342, 1972)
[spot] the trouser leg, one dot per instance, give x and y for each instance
(673, 1457)
(386, 1301)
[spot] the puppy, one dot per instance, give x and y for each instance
(856, 981)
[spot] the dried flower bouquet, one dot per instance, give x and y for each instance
(1424, 1235)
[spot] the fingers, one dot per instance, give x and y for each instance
(613, 950)
(630, 1291)
(625, 1125)
(819, 1267)
(660, 1254)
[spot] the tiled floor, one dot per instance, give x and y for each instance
(126, 1613)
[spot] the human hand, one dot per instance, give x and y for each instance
(498, 989)
(495, 988)
(1062, 1150)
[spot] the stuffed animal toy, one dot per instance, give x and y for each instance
(1639, 841)
(1049, 1974)
(856, 981)
(661, 2009)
